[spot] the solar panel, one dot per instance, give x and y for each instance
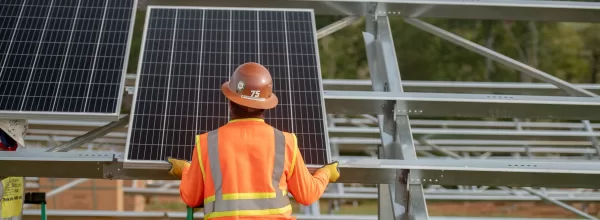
(63, 57)
(188, 52)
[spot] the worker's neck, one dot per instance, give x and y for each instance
(233, 117)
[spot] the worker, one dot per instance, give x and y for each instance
(12, 189)
(245, 168)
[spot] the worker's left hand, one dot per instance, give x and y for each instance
(333, 170)
(177, 166)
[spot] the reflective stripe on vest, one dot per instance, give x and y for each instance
(246, 204)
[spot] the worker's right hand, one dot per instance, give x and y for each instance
(177, 166)
(333, 170)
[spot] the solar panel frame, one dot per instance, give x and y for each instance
(62, 115)
(141, 164)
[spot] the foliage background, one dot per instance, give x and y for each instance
(570, 51)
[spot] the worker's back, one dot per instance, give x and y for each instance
(247, 152)
(253, 157)
(244, 169)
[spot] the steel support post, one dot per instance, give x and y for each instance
(402, 200)
(588, 127)
(520, 128)
(386, 209)
(335, 153)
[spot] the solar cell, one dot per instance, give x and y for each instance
(188, 52)
(63, 57)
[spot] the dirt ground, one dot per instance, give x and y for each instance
(508, 209)
(435, 208)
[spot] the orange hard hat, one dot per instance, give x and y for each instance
(251, 86)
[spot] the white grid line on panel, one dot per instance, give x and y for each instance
(18, 48)
(244, 31)
(218, 19)
(37, 54)
(258, 36)
(289, 75)
(198, 105)
(219, 64)
(12, 38)
(230, 71)
(162, 148)
(238, 53)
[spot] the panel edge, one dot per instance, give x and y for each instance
(137, 83)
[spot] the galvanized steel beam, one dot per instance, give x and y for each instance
(464, 105)
(439, 172)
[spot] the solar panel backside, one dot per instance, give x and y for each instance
(63, 57)
(189, 52)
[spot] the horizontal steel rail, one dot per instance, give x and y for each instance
(370, 171)
(509, 88)
(436, 133)
(457, 196)
(463, 105)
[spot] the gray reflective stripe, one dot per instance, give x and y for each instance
(215, 165)
(220, 205)
(279, 163)
(246, 204)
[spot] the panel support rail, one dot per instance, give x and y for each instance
(369, 171)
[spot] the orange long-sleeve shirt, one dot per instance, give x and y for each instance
(304, 186)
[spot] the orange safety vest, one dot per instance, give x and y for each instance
(246, 179)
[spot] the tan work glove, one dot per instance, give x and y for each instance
(333, 170)
(177, 166)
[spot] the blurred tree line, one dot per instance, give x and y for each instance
(570, 51)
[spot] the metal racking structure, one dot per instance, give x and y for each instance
(387, 108)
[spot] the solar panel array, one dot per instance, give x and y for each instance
(189, 52)
(63, 56)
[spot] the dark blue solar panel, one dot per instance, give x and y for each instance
(63, 56)
(188, 53)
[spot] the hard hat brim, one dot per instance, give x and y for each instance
(269, 103)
